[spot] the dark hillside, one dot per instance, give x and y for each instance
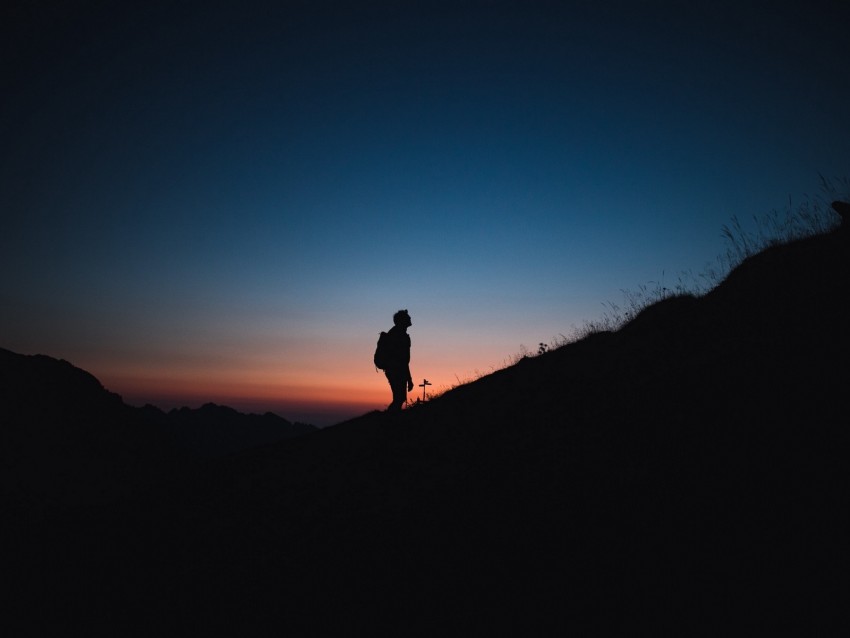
(66, 440)
(216, 430)
(684, 474)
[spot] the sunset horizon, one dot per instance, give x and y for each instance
(227, 203)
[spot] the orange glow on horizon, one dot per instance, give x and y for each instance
(314, 387)
(333, 403)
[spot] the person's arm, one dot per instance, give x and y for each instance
(407, 366)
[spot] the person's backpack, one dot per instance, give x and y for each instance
(383, 355)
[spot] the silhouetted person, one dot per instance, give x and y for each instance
(397, 366)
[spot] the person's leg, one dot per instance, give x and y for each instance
(398, 384)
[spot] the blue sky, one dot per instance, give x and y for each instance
(227, 201)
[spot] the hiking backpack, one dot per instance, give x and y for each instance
(382, 352)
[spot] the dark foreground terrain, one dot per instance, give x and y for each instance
(687, 474)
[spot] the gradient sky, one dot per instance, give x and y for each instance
(227, 201)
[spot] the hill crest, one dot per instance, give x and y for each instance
(684, 473)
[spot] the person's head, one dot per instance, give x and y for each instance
(402, 319)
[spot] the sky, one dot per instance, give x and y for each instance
(227, 201)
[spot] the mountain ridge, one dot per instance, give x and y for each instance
(68, 440)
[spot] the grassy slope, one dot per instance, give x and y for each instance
(684, 472)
